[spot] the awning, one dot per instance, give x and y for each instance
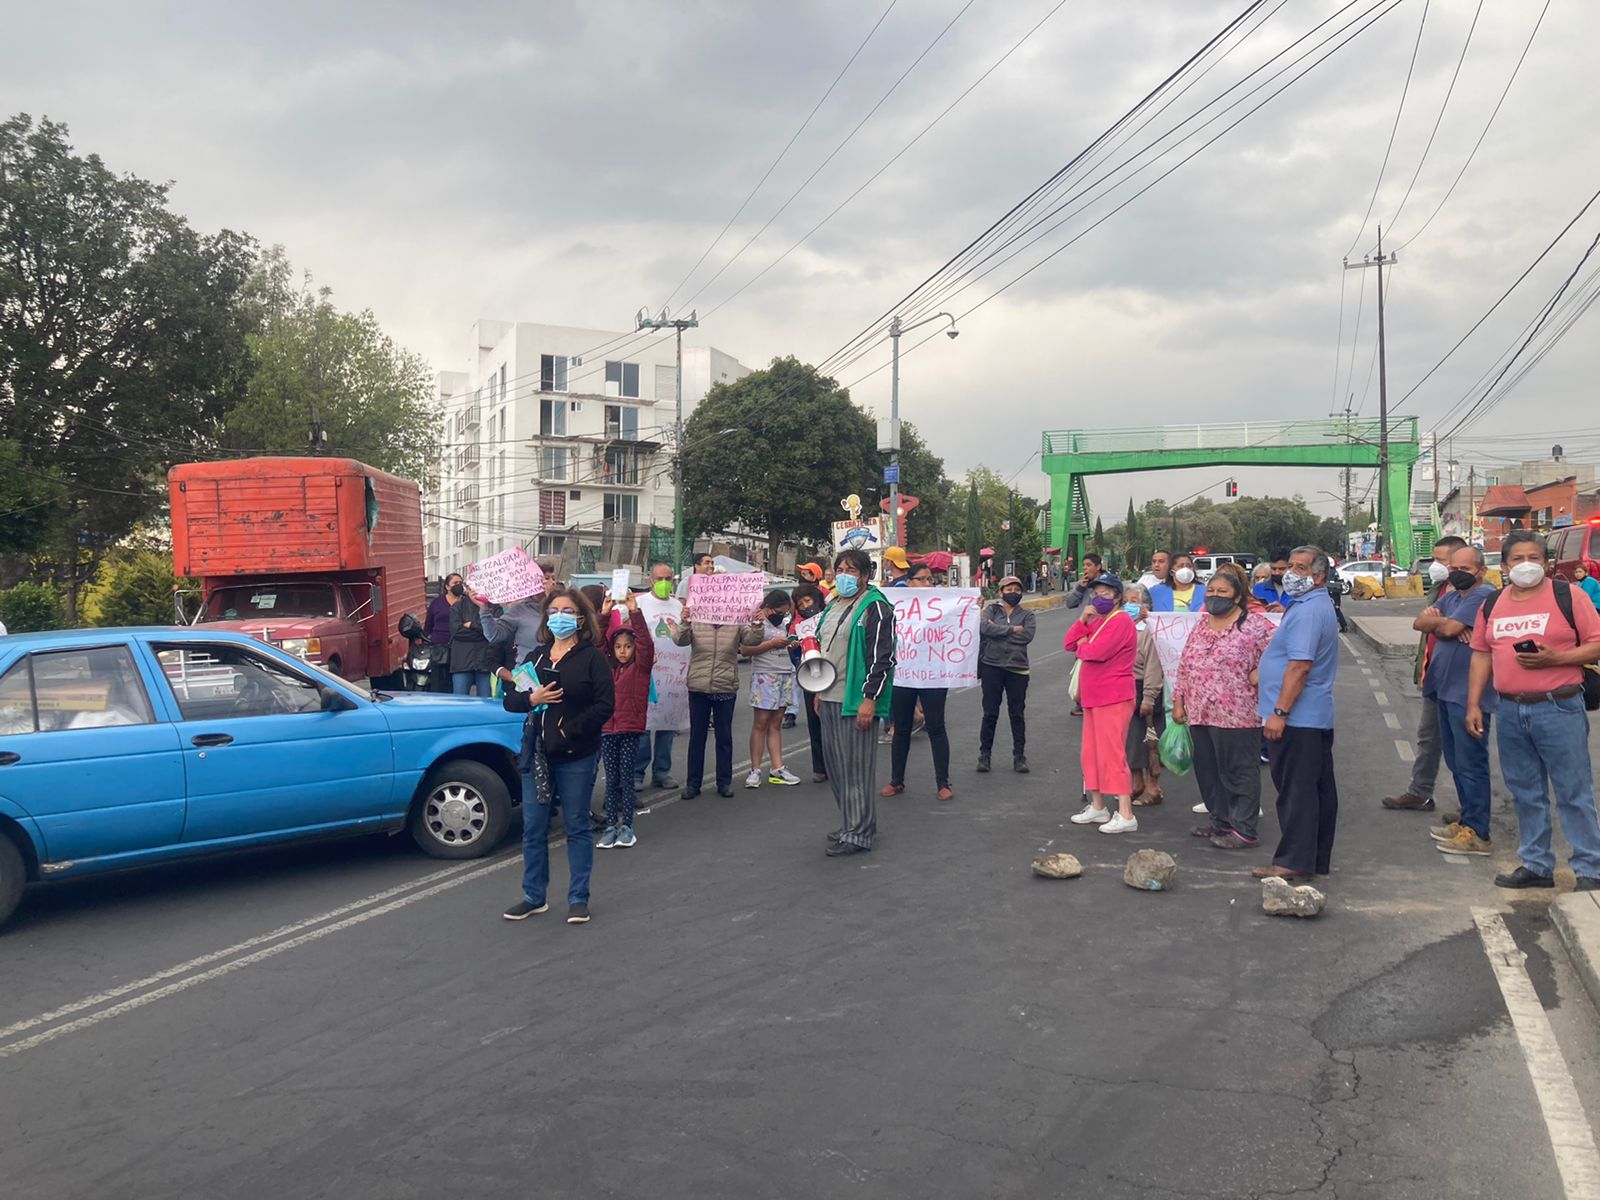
(1504, 500)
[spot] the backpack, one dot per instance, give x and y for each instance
(1591, 672)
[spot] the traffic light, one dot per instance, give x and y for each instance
(1232, 487)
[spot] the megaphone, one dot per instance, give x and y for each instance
(816, 673)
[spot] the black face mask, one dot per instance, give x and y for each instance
(455, 589)
(1012, 598)
(1277, 579)
(1462, 581)
(1220, 606)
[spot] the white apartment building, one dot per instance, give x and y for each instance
(560, 440)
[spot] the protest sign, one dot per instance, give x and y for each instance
(619, 584)
(669, 678)
(725, 599)
(936, 636)
(506, 577)
(1169, 631)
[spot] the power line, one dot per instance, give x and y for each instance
(1454, 75)
(1393, 129)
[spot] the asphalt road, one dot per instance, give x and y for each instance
(747, 1018)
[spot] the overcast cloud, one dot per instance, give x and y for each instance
(567, 163)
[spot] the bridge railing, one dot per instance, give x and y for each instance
(1233, 435)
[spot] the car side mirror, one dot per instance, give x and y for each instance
(333, 701)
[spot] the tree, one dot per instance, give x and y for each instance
(317, 367)
(1099, 536)
(922, 475)
(1266, 523)
(797, 444)
(974, 524)
(30, 606)
(1330, 536)
(122, 339)
(139, 591)
(29, 503)
(1130, 536)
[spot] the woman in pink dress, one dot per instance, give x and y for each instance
(1105, 640)
(1215, 695)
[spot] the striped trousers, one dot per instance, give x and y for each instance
(851, 756)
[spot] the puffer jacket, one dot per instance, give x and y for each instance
(713, 658)
(631, 684)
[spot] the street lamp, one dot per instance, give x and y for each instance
(895, 330)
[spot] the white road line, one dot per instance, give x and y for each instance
(1392, 721)
(1571, 1141)
(1381, 697)
(1350, 646)
(1403, 749)
(1366, 671)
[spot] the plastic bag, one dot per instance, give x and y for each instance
(1177, 751)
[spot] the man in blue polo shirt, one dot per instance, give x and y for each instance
(1296, 706)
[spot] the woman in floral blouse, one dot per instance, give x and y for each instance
(1215, 695)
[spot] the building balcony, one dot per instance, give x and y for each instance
(467, 496)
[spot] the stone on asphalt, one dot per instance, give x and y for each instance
(1057, 866)
(1150, 870)
(1279, 899)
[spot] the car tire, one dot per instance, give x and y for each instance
(13, 877)
(462, 810)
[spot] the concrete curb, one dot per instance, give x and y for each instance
(1040, 602)
(1385, 649)
(1576, 916)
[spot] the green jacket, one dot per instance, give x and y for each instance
(869, 667)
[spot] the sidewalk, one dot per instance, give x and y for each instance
(1576, 916)
(1385, 630)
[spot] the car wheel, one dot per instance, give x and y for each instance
(13, 878)
(463, 810)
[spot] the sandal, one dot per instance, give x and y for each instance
(1148, 799)
(945, 793)
(892, 789)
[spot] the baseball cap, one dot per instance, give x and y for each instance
(811, 567)
(1009, 579)
(896, 556)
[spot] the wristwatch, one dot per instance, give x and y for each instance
(1280, 712)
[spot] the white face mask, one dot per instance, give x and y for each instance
(1183, 575)
(1438, 572)
(1295, 584)
(1526, 574)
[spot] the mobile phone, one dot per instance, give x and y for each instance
(1527, 646)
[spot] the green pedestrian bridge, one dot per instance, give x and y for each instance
(1071, 456)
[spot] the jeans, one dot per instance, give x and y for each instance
(1549, 741)
(1425, 767)
(1468, 758)
(573, 784)
(997, 682)
(903, 706)
(462, 683)
(705, 710)
(660, 764)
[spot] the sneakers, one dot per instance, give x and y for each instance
(753, 780)
(1200, 808)
(1120, 824)
(625, 836)
(1443, 833)
(577, 914)
(1232, 839)
(784, 777)
(1466, 841)
(1523, 878)
(1091, 816)
(665, 781)
(788, 720)
(1408, 802)
(522, 910)
(1019, 764)
(607, 839)
(983, 764)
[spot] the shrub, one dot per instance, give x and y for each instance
(30, 606)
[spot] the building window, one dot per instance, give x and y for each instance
(553, 507)
(621, 507)
(551, 547)
(622, 422)
(501, 470)
(502, 383)
(502, 423)
(552, 418)
(553, 462)
(626, 377)
(621, 466)
(552, 373)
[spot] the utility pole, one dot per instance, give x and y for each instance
(1384, 523)
(662, 321)
(893, 474)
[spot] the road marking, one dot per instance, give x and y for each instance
(1381, 697)
(1366, 671)
(1350, 646)
(1403, 748)
(1571, 1141)
(1391, 720)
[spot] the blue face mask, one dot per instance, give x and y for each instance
(847, 585)
(1132, 610)
(562, 624)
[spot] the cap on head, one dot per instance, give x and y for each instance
(1008, 580)
(896, 557)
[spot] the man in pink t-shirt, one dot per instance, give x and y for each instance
(1534, 655)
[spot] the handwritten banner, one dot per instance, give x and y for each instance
(669, 678)
(936, 636)
(1171, 630)
(725, 599)
(506, 577)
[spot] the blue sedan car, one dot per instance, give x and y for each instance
(126, 747)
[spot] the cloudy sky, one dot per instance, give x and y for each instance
(568, 162)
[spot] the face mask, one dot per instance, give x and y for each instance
(1438, 572)
(1462, 581)
(456, 589)
(1103, 604)
(1296, 584)
(1132, 610)
(847, 584)
(1220, 606)
(661, 589)
(1011, 598)
(562, 624)
(1183, 575)
(1277, 579)
(1526, 574)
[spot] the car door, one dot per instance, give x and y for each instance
(262, 754)
(83, 752)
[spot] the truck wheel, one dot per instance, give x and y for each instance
(463, 810)
(336, 667)
(13, 877)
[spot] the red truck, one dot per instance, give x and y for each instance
(320, 556)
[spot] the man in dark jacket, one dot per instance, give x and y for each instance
(1004, 631)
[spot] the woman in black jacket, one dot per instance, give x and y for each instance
(560, 747)
(473, 657)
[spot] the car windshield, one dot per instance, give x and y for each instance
(274, 601)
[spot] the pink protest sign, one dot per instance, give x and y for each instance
(506, 577)
(725, 599)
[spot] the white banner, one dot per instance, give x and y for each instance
(936, 636)
(1171, 631)
(669, 707)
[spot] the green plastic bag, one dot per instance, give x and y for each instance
(1177, 751)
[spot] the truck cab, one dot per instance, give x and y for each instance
(318, 620)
